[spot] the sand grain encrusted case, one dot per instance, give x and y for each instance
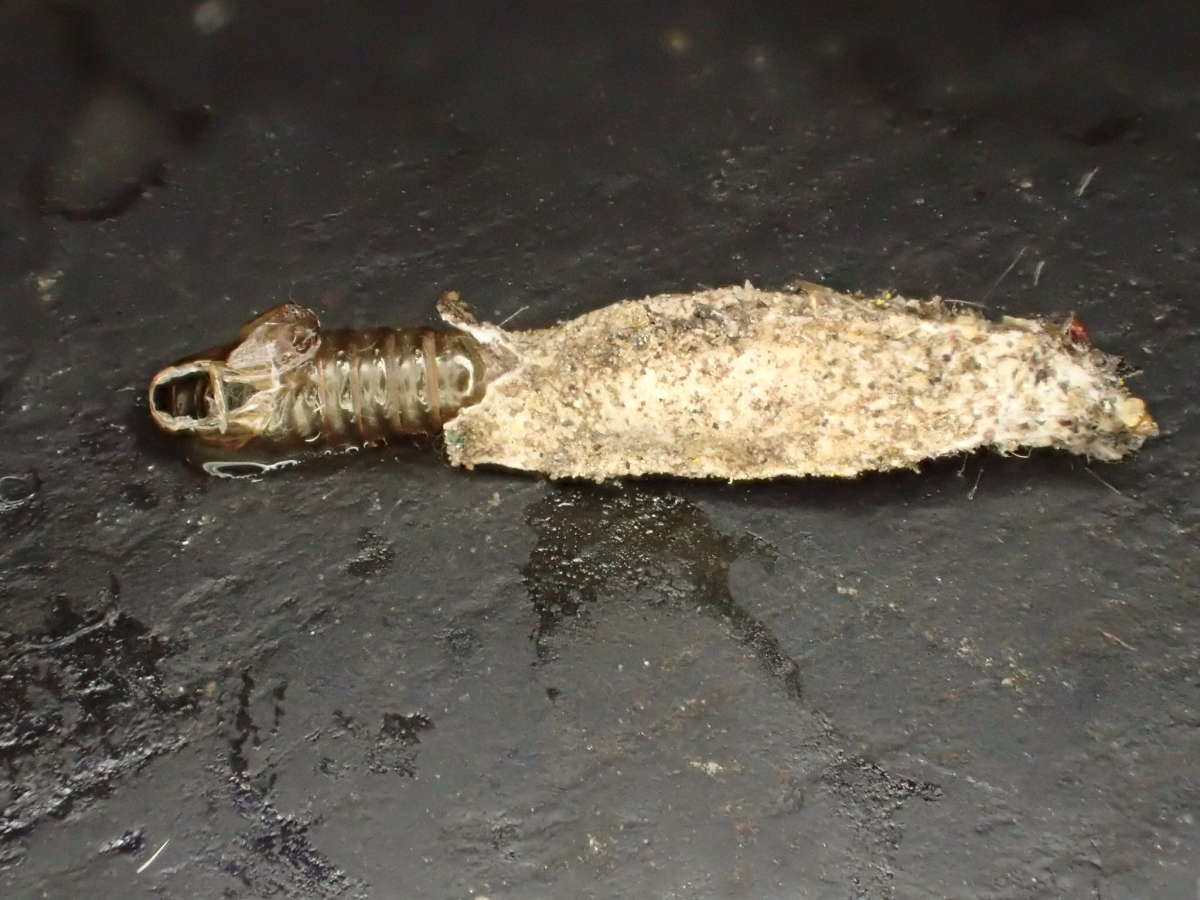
(740, 383)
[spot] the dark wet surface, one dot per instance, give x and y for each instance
(114, 137)
(375, 676)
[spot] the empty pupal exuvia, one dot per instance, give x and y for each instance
(732, 383)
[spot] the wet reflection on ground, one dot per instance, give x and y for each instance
(659, 549)
(604, 546)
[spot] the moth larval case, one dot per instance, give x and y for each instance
(732, 383)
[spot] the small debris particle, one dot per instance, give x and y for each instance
(17, 490)
(46, 283)
(1113, 639)
(211, 16)
(144, 866)
(1012, 265)
(677, 41)
(975, 487)
(1085, 181)
(1102, 481)
(710, 767)
(129, 842)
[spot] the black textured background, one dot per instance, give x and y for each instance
(380, 677)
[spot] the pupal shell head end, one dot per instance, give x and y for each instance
(187, 399)
(227, 396)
